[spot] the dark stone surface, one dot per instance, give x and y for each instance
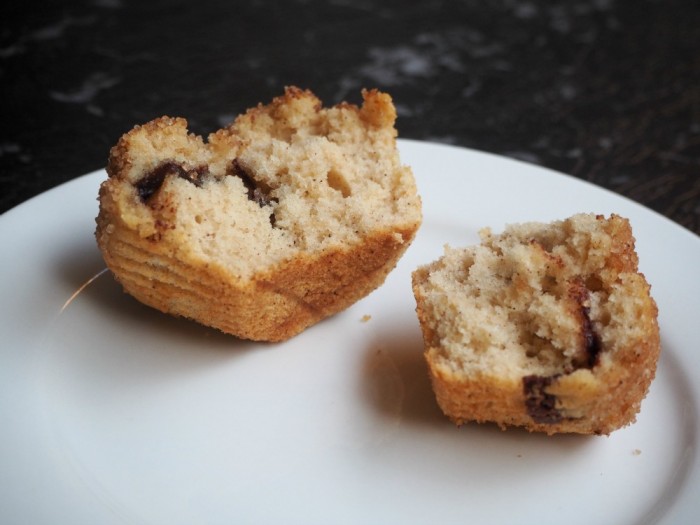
(604, 90)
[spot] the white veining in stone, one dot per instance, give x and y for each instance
(224, 119)
(389, 66)
(86, 92)
(9, 147)
(109, 4)
(58, 29)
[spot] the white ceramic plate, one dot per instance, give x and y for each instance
(114, 413)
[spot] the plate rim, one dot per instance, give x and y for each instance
(27, 206)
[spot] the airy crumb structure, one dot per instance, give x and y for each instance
(546, 326)
(289, 215)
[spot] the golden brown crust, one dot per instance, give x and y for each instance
(272, 306)
(252, 280)
(586, 397)
(601, 401)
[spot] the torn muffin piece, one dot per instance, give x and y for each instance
(550, 327)
(287, 216)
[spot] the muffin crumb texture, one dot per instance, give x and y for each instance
(550, 327)
(287, 216)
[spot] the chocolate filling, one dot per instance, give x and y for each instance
(255, 193)
(587, 356)
(150, 183)
(541, 406)
(592, 344)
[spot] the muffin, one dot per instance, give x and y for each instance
(287, 216)
(549, 327)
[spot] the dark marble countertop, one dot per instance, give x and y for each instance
(605, 90)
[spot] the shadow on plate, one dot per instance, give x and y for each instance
(83, 269)
(395, 382)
